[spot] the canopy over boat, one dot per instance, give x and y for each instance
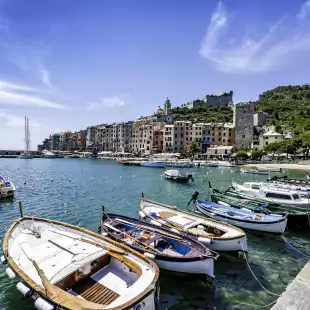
(71, 267)
(218, 236)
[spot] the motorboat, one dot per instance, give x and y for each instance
(254, 171)
(279, 195)
(175, 175)
(169, 250)
(210, 164)
(297, 218)
(244, 218)
(225, 164)
(7, 188)
(153, 163)
(68, 267)
(181, 164)
(47, 154)
(218, 236)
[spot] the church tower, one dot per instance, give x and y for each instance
(167, 106)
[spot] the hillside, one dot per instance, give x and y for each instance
(288, 108)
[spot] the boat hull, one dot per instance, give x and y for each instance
(153, 165)
(277, 227)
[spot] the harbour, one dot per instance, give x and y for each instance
(74, 190)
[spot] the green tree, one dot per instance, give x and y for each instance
(273, 148)
(242, 155)
(193, 149)
(257, 154)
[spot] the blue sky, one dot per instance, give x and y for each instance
(67, 64)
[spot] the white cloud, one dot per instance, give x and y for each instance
(304, 10)
(9, 95)
(108, 102)
(254, 54)
(45, 77)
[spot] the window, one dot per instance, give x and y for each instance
(295, 196)
(255, 186)
(243, 136)
(278, 196)
(223, 140)
(224, 134)
(229, 134)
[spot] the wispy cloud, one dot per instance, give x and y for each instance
(108, 102)
(10, 93)
(255, 54)
(45, 77)
(304, 10)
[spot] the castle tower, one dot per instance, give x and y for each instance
(244, 125)
(167, 106)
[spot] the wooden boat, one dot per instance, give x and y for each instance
(279, 195)
(244, 218)
(7, 188)
(296, 217)
(68, 267)
(169, 250)
(218, 236)
(175, 175)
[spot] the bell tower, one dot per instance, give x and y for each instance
(167, 106)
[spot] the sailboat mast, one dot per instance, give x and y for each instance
(28, 136)
(25, 134)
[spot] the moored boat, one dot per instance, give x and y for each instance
(244, 218)
(181, 164)
(254, 171)
(47, 154)
(7, 188)
(153, 163)
(225, 164)
(210, 164)
(218, 236)
(175, 175)
(169, 250)
(279, 195)
(298, 218)
(68, 267)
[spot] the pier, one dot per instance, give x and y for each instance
(297, 294)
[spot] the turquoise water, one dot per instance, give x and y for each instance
(73, 190)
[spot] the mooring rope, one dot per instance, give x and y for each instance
(245, 256)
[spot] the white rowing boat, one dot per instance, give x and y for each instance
(68, 267)
(218, 236)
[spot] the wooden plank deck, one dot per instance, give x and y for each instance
(95, 292)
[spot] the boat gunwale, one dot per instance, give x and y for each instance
(73, 304)
(241, 235)
(165, 257)
(283, 218)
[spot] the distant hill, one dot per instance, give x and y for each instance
(288, 108)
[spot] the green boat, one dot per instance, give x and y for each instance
(297, 217)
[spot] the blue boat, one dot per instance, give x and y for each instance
(244, 218)
(7, 188)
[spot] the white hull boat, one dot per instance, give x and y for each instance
(243, 218)
(175, 175)
(47, 154)
(218, 236)
(67, 267)
(153, 164)
(7, 188)
(225, 164)
(181, 164)
(169, 251)
(273, 194)
(210, 164)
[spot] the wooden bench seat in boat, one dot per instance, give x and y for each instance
(95, 292)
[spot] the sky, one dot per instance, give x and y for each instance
(73, 63)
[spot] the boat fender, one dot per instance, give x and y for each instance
(174, 230)
(10, 273)
(43, 304)
(142, 215)
(204, 240)
(223, 203)
(155, 223)
(149, 255)
(104, 234)
(24, 289)
(4, 261)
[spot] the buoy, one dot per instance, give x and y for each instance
(104, 234)
(52, 180)
(43, 304)
(25, 183)
(69, 180)
(3, 260)
(10, 273)
(120, 177)
(201, 227)
(204, 240)
(24, 289)
(174, 230)
(149, 255)
(133, 176)
(92, 179)
(142, 215)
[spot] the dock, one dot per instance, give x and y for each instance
(297, 294)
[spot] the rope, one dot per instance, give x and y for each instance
(245, 256)
(303, 254)
(258, 306)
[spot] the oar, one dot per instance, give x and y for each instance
(130, 237)
(103, 246)
(137, 225)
